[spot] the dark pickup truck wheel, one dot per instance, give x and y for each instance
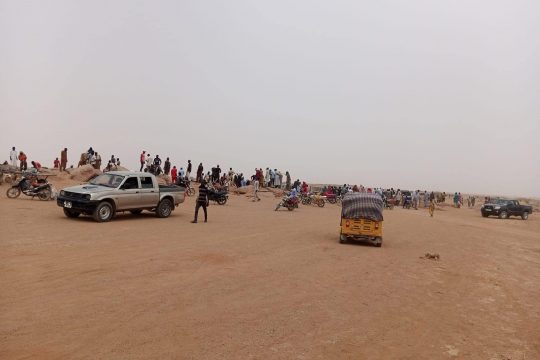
(503, 215)
(525, 215)
(103, 212)
(164, 208)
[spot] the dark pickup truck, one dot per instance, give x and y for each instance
(505, 208)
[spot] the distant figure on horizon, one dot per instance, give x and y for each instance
(63, 159)
(13, 156)
(142, 159)
(167, 167)
(22, 160)
(200, 170)
(56, 163)
(255, 180)
(188, 169)
(174, 175)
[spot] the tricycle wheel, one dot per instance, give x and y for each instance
(222, 200)
(378, 241)
(342, 239)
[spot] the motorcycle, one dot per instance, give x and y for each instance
(388, 203)
(317, 200)
(42, 189)
(407, 202)
(305, 198)
(219, 196)
(287, 202)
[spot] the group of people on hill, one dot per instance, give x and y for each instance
(154, 166)
(19, 160)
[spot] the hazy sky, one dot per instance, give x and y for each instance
(412, 94)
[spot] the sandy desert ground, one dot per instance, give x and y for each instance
(258, 284)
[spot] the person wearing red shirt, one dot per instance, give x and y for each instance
(174, 174)
(143, 159)
(56, 163)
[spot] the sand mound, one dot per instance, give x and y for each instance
(243, 190)
(276, 192)
(8, 168)
(164, 180)
(83, 173)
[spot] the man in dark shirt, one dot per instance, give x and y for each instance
(188, 170)
(167, 167)
(202, 201)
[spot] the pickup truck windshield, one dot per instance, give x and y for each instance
(107, 180)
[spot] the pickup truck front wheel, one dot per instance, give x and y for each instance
(525, 215)
(164, 208)
(103, 212)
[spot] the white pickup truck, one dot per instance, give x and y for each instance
(117, 191)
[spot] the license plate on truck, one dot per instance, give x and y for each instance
(67, 204)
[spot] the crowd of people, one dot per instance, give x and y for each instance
(219, 179)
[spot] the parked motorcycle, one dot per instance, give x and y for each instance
(42, 189)
(219, 196)
(287, 202)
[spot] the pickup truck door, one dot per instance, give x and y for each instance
(512, 207)
(149, 192)
(128, 195)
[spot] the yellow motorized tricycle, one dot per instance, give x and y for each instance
(362, 218)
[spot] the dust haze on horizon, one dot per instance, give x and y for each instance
(418, 94)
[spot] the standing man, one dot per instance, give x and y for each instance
(181, 173)
(202, 201)
(149, 162)
(288, 181)
(174, 174)
(266, 177)
(22, 159)
(13, 156)
(188, 171)
(142, 158)
(167, 167)
(255, 179)
(200, 170)
(63, 159)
